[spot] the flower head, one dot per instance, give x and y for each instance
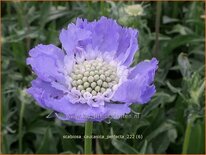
(90, 78)
(134, 10)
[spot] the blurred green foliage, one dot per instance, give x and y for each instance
(172, 122)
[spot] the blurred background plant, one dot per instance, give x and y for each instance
(173, 122)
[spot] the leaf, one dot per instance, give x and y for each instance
(167, 20)
(23, 34)
(161, 143)
(181, 40)
(8, 140)
(69, 144)
(160, 98)
(162, 128)
(48, 143)
(51, 115)
(38, 127)
(182, 30)
(122, 146)
(172, 88)
(67, 152)
(142, 123)
(98, 147)
(172, 135)
(184, 64)
(144, 147)
(55, 14)
(196, 140)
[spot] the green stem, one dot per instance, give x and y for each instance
(5, 144)
(103, 8)
(157, 26)
(20, 126)
(187, 137)
(87, 138)
(175, 8)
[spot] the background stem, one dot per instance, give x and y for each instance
(87, 139)
(20, 126)
(187, 136)
(157, 26)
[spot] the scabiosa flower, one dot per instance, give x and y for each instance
(90, 79)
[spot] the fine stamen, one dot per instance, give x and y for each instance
(94, 76)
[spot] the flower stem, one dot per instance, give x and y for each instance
(157, 26)
(87, 138)
(187, 135)
(20, 126)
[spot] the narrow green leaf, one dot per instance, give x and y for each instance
(144, 147)
(123, 147)
(181, 40)
(48, 143)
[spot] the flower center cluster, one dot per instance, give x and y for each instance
(94, 76)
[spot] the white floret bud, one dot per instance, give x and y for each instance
(80, 87)
(86, 73)
(86, 84)
(90, 78)
(102, 77)
(94, 93)
(93, 84)
(96, 77)
(79, 82)
(105, 85)
(97, 88)
(84, 79)
(99, 82)
(89, 89)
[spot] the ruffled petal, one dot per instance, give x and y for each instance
(105, 36)
(145, 68)
(109, 37)
(84, 24)
(72, 37)
(42, 91)
(81, 113)
(78, 112)
(116, 111)
(134, 90)
(128, 45)
(47, 62)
